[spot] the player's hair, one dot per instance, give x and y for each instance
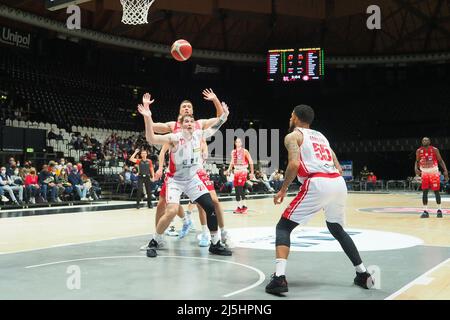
(186, 101)
(184, 117)
(304, 113)
(234, 144)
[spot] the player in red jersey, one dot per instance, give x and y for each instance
(428, 159)
(240, 160)
(314, 163)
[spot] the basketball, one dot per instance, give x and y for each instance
(181, 50)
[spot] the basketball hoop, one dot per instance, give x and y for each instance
(135, 11)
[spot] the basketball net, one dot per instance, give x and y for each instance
(135, 11)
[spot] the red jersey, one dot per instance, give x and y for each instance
(239, 159)
(427, 157)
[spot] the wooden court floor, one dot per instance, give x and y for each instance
(380, 212)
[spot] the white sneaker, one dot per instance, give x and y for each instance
(171, 232)
(90, 199)
(5, 199)
(58, 199)
(32, 200)
(226, 239)
(84, 199)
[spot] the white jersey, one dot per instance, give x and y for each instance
(186, 158)
(315, 155)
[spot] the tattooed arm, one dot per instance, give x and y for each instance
(292, 142)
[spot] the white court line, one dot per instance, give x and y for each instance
(74, 243)
(261, 275)
(420, 280)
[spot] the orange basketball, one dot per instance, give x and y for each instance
(181, 50)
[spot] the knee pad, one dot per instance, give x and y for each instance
(283, 232)
(205, 201)
(336, 230)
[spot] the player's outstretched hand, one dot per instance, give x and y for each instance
(208, 94)
(279, 197)
(144, 110)
(147, 99)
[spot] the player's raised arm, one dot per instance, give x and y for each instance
(442, 163)
(149, 132)
(217, 123)
(208, 94)
(158, 127)
(133, 156)
(292, 143)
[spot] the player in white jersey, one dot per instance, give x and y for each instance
(313, 161)
(185, 160)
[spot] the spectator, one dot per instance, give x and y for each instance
(262, 178)
(32, 187)
(11, 166)
(125, 176)
(364, 173)
(64, 186)
(77, 183)
(371, 181)
(19, 180)
(47, 183)
(61, 166)
(2, 195)
(276, 180)
(9, 186)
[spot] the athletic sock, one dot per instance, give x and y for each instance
(425, 208)
(239, 204)
(280, 267)
(439, 207)
(158, 237)
(361, 268)
(215, 237)
(205, 229)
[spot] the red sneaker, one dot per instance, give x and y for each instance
(238, 210)
(244, 209)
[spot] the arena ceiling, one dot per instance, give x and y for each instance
(253, 26)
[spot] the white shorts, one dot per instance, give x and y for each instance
(193, 188)
(316, 194)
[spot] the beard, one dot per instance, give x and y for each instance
(291, 127)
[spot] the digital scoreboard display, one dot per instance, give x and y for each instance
(286, 65)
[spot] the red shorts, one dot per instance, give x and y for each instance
(201, 174)
(205, 178)
(240, 178)
(431, 181)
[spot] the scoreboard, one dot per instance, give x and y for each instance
(285, 65)
(53, 5)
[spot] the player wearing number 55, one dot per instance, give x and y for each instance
(313, 162)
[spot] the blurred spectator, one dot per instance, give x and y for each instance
(77, 183)
(10, 187)
(32, 186)
(364, 173)
(276, 180)
(371, 181)
(47, 183)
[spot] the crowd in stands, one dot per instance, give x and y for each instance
(54, 182)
